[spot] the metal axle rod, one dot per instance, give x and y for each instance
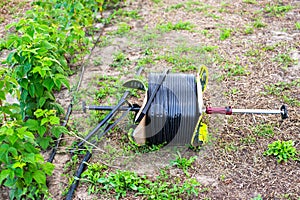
(123, 108)
(209, 110)
(229, 111)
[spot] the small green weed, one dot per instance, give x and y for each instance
(123, 28)
(248, 30)
(248, 140)
(258, 197)
(132, 14)
(183, 163)
(235, 70)
(264, 130)
(107, 87)
(297, 25)
(285, 60)
(284, 90)
(282, 150)
(250, 1)
(120, 60)
(277, 10)
(225, 33)
(233, 91)
(258, 23)
(178, 26)
(181, 62)
(230, 147)
(121, 183)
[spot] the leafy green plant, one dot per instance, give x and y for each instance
(258, 23)
(277, 10)
(225, 33)
(248, 30)
(123, 28)
(183, 163)
(41, 46)
(250, 1)
(120, 183)
(178, 26)
(120, 60)
(258, 197)
(235, 70)
(282, 150)
(264, 130)
(285, 60)
(284, 90)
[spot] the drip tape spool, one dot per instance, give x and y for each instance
(173, 113)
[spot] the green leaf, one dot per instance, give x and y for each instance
(2, 95)
(58, 130)
(48, 168)
(4, 174)
(12, 138)
(13, 151)
(39, 176)
(39, 91)
(29, 158)
(42, 101)
(41, 130)
(28, 178)
(48, 83)
(32, 124)
(18, 164)
(24, 83)
(54, 120)
(44, 142)
(31, 90)
(44, 120)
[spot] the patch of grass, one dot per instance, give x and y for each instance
(156, 1)
(258, 23)
(175, 7)
(121, 183)
(297, 25)
(123, 28)
(277, 10)
(248, 140)
(190, 6)
(183, 163)
(285, 60)
(250, 1)
(206, 33)
(264, 130)
(235, 70)
(108, 86)
(230, 147)
(120, 60)
(177, 26)
(233, 91)
(258, 197)
(284, 90)
(132, 14)
(97, 61)
(248, 30)
(182, 63)
(225, 33)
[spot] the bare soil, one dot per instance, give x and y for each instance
(232, 164)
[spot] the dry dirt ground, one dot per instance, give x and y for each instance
(262, 49)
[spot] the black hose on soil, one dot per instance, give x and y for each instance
(53, 152)
(79, 171)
